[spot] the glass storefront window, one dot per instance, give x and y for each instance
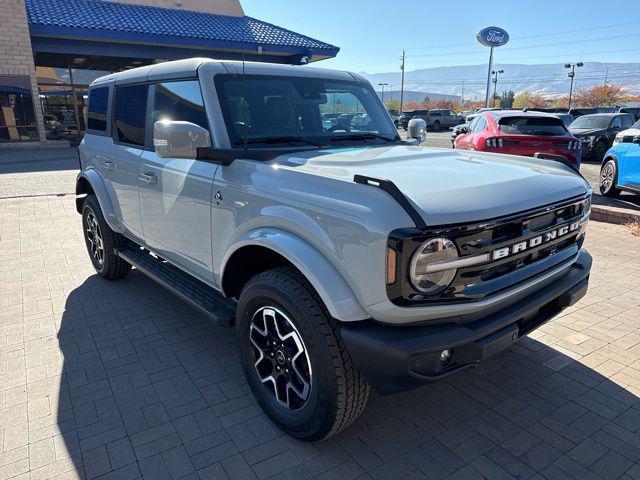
(17, 118)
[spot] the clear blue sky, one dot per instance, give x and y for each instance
(371, 34)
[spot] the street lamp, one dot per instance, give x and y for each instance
(383, 85)
(495, 83)
(572, 74)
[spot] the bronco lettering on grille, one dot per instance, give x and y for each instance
(536, 241)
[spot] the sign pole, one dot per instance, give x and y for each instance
(491, 37)
(486, 97)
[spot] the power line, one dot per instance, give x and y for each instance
(551, 34)
(474, 52)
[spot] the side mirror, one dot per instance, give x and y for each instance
(636, 139)
(177, 139)
(462, 130)
(417, 130)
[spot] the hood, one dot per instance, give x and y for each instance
(449, 186)
(630, 132)
(583, 132)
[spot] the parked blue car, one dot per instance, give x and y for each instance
(621, 164)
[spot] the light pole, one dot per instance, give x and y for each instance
(383, 85)
(495, 84)
(572, 75)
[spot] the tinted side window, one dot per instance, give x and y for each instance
(97, 112)
(179, 101)
(616, 123)
(626, 122)
(130, 114)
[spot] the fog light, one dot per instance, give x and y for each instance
(445, 356)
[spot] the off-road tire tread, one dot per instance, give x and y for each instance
(116, 267)
(353, 389)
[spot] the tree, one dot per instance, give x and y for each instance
(506, 99)
(392, 105)
(528, 99)
(605, 95)
(560, 102)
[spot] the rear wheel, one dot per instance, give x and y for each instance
(292, 353)
(436, 126)
(101, 242)
(609, 179)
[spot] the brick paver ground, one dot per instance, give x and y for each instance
(122, 380)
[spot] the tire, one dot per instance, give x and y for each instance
(609, 178)
(599, 150)
(336, 394)
(436, 126)
(101, 242)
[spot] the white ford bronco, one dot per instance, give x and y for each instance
(282, 200)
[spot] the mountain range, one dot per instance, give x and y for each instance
(545, 79)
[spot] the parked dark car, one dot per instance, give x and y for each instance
(403, 119)
(579, 112)
(597, 132)
(635, 111)
(436, 119)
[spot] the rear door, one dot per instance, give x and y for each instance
(175, 193)
(128, 132)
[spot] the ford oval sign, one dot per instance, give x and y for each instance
(492, 36)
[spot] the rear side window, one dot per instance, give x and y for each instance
(532, 126)
(130, 114)
(97, 112)
(179, 101)
(627, 121)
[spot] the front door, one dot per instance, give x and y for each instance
(630, 167)
(175, 193)
(128, 143)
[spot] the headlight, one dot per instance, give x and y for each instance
(590, 139)
(430, 273)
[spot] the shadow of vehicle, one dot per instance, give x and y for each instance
(150, 388)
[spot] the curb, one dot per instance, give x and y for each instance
(619, 216)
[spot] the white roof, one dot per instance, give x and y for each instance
(189, 68)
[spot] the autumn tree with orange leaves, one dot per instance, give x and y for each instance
(606, 95)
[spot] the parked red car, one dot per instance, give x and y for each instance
(519, 132)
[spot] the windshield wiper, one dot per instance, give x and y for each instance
(363, 136)
(281, 139)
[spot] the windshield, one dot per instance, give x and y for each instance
(591, 121)
(532, 126)
(301, 110)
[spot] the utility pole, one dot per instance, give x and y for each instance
(402, 82)
(606, 76)
(572, 75)
(495, 84)
(382, 85)
(462, 97)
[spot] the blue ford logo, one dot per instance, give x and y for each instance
(492, 36)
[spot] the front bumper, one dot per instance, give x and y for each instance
(395, 358)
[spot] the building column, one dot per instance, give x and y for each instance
(16, 55)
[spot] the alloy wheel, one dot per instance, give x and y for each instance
(280, 356)
(94, 237)
(606, 176)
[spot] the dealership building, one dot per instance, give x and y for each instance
(51, 50)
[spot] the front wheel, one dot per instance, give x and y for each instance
(609, 179)
(436, 127)
(293, 356)
(101, 242)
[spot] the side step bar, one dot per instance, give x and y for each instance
(220, 310)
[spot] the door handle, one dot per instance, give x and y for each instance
(108, 164)
(148, 177)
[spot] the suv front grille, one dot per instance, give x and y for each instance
(480, 281)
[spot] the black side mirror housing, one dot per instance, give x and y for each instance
(636, 139)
